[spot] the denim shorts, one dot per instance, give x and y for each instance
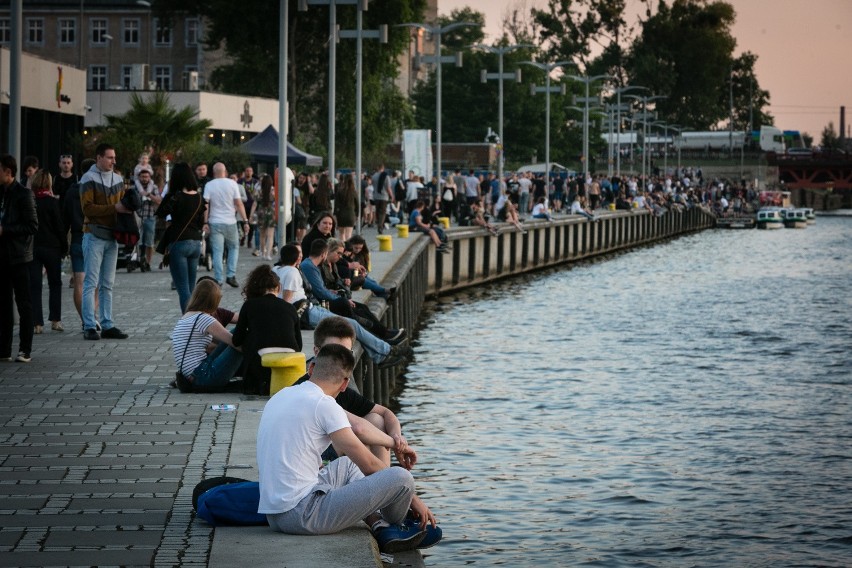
(149, 225)
(77, 263)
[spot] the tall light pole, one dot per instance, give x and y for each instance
(360, 34)
(285, 194)
(618, 92)
(438, 60)
(547, 89)
(588, 81)
(332, 68)
(644, 119)
(16, 8)
(500, 76)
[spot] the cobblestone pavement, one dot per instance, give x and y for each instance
(98, 456)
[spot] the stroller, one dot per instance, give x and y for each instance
(206, 258)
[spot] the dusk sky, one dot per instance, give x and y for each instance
(802, 47)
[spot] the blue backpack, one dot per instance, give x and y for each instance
(228, 501)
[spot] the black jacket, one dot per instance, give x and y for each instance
(20, 223)
(51, 231)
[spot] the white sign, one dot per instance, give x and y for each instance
(417, 153)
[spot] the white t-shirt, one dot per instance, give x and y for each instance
(411, 188)
(220, 193)
(539, 209)
(291, 280)
(294, 430)
(524, 183)
(576, 208)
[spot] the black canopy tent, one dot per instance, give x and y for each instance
(264, 148)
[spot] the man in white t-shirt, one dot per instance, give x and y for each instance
(220, 220)
(300, 496)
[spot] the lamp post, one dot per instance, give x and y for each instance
(679, 131)
(588, 81)
(109, 38)
(499, 76)
(644, 119)
(332, 67)
(285, 193)
(360, 34)
(618, 124)
(547, 89)
(438, 60)
(150, 34)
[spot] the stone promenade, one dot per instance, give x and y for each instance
(98, 456)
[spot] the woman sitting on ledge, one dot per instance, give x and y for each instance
(416, 223)
(539, 211)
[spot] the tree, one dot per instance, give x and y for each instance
(152, 124)
(750, 101)
(829, 140)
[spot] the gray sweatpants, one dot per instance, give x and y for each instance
(343, 496)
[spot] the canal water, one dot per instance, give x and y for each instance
(684, 404)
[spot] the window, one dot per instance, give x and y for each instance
(5, 30)
(126, 76)
(188, 83)
(99, 31)
(67, 31)
(163, 35)
(35, 31)
(192, 32)
(163, 77)
(131, 32)
(98, 76)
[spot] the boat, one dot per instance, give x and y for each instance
(769, 218)
(795, 219)
(810, 215)
(736, 222)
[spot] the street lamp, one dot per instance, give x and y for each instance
(644, 119)
(109, 38)
(436, 32)
(150, 35)
(618, 124)
(547, 89)
(587, 80)
(679, 131)
(285, 193)
(499, 76)
(360, 34)
(332, 67)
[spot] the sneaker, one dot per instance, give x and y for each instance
(113, 333)
(398, 538)
(444, 249)
(6, 359)
(91, 335)
(23, 357)
(395, 336)
(255, 253)
(38, 330)
(433, 535)
(57, 326)
(232, 281)
(391, 361)
(401, 350)
(391, 295)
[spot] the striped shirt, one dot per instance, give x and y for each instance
(196, 352)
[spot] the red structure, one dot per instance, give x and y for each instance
(827, 171)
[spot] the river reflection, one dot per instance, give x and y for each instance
(686, 404)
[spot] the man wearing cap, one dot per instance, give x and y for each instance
(150, 194)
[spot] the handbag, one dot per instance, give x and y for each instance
(448, 195)
(183, 382)
(166, 249)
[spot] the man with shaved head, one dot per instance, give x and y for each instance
(220, 221)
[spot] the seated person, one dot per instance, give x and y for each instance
(204, 368)
(365, 416)
(416, 223)
(320, 272)
(509, 213)
(355, 265)
(478, 218)
(578, 208)
(265, 321)
(293, 291)
(539, 210)
(622, 202)
(299, 496)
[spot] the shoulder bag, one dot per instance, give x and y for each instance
(184, 383)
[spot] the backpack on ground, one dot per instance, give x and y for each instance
(228, 501)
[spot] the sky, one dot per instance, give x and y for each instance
(803, 49)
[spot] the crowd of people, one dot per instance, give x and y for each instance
(308, 287)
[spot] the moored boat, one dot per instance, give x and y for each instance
(769, 218)
(809, 215)
(795, 219)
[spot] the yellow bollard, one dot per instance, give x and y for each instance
(445, 222)
(287, 368)
(385, 243)
(612, 206)
(402, 231)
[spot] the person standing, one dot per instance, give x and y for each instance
(381, 193)
(66, 178)
(186, 207)
(263, 212)
(223, 203)
(101, 190)
(72, 217)
(18, 226)
(150, 194)
(346, 206)
(49, 248)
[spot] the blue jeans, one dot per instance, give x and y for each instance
(100, 257)
(183, 264)
(523, 203)
(375, 287)
(376, 349)
(218, 369)
(222, 235)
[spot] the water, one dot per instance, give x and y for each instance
(688, 404)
